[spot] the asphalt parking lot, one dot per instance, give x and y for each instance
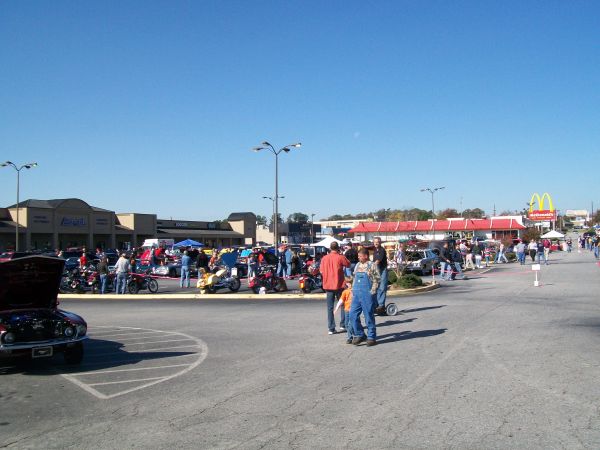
(490, 362)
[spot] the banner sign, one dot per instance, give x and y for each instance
(540, 214)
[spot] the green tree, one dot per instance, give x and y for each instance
(531, 234)
(297, 217)
(449, 212)
(261, 220)
(279, 219)
(476, 213)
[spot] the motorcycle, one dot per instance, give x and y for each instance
(137, 282)
(72, 282)
(266, 277)
(311, 280)
(93, 281)
(223, 278)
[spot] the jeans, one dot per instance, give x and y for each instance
(332, 298)
(349, 327)
(521, 257)
(541, 255)
(458, 270)
(597, 252)
(103, 279)
(478, 261)
(281, 270)
(382, 289)
(363, 302)
(121, 282)
(443, 265)
(288, 270)
(185, 276)
(251, 270)
(501, 255)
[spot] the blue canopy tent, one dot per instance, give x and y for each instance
(188, 243)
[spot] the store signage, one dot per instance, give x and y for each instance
(73, 222)
(181, 224)
(41, 219)
(540, 214)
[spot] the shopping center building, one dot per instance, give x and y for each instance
(71, 222)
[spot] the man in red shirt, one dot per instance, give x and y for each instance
(332, 271)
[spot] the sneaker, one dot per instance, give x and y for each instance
(331, 332)
(358, 340)
(348, 341)
(371, 342)
(342, 329)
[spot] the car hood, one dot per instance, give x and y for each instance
(30, 282)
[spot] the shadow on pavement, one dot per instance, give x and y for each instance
(111, 352)
(405, 335)
(425, 308)
(387, 323)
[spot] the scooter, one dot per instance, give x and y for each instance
(223, 278)
(266, 277)
(311, 280)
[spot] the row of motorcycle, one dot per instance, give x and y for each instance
(266, 277)
(79, 281)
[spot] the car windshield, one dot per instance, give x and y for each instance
(414, 255)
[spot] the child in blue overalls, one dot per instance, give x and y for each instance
(364, 288)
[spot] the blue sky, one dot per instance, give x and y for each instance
(154, 106)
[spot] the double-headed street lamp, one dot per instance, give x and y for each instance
(18, 170)
(267, 146)
(274, 219)
(433, 191)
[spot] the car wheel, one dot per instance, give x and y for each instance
(153, 285)
(74, 355)
(235, 285)
(132, 287)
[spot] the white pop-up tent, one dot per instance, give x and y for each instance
(326, 242)
(553, 235)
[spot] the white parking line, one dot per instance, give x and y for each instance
(165, 348)
(94, 335)
(79, 374)
(130, 360)
(126, 381)
(147, 337)
(160, 342)
(198, 349)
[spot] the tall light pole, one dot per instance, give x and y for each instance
(18, 170)
(267, 146)
(433, 191)
(312, 228)
(274, 219)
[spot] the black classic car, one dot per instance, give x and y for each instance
(30, 322)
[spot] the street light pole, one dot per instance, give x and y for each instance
(312, 228)
(18, 170)
(433, 191)
(274, 217)
(266, 145)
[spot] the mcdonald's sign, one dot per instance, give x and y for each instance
(541, 214)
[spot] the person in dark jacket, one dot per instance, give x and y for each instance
(102, 269)
(446, 262)
(457, 259)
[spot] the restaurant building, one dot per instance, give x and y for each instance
(71, 222)
(497, 228)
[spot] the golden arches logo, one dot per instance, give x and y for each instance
(541, 201)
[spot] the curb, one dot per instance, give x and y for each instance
(321, 296)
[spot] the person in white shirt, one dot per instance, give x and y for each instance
(121, 269)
